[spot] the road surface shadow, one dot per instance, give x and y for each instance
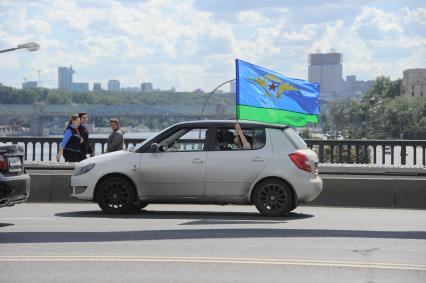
(195, 234)
(198, 217)
(6, 224)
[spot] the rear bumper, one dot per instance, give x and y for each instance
(14, 189)
(311, 190)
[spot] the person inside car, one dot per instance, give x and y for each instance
(226, 140)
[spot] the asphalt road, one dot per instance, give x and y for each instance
(191, 243)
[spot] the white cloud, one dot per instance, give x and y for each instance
(252, 18)
(173, 43)
(374, 23)
(416, 16)
(308, 32)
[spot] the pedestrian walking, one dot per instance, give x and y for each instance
(84, 133)
(115, 139)
(71, 143)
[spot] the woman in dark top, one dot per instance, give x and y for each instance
(71, 143)
(84, 133)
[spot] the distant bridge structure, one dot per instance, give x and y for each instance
(44, 116)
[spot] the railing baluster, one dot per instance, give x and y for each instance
(26, 149)
(383, 153)
(415, 155)
(42, 150)
(357, 153)
(340, 154)
(392, 154)
(375, 154)
(424, 155)
(349, 153)
(321, 153)
(403, 155)
(50, 151)
(57, 147)
(103, 146)
(332, 153)
(366, 155)
(34, 150)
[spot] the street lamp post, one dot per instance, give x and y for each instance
(30, 46)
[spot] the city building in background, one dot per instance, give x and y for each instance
(113, 85)
(80, 87)
(29, 84)
(146, 87)
(65, 81)
(354, 88)
(97, 88)
(414, 82)
(326, 69)
(198, 91)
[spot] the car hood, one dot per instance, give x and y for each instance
(106, 157)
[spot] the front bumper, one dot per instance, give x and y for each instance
(14, 189)
(83, 186)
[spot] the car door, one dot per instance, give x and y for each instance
(177, 169)
(231, 171)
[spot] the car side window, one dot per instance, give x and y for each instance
(186, 139)
(226, 139)
(259, 138)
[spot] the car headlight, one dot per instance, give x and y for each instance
(83, 169)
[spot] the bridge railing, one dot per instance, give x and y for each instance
(401, 152)
(389, 152)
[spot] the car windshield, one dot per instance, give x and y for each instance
(136, 149)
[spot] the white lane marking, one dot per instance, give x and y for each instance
(259, 261)
(27, 218)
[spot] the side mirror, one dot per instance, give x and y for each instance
(153, 147)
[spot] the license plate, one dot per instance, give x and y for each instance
(15, 164)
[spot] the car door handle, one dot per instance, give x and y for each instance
(258, 158)
(197, 160)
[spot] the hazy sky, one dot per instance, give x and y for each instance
(193, 44)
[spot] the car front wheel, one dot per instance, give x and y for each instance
(273, 197)
(116, 195)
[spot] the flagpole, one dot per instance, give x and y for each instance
(208, 97)
(237, 89)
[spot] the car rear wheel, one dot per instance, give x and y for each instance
(116, 195)
(273, 197)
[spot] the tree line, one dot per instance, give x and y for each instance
(9, 95)
(382, 113)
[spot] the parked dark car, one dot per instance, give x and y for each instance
(14, 181)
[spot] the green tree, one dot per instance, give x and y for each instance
(381, 113)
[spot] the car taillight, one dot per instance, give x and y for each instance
(3, 164)
(301, 161)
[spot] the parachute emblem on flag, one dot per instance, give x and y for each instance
(272, 85)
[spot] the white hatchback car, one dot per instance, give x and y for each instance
(198, 162)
